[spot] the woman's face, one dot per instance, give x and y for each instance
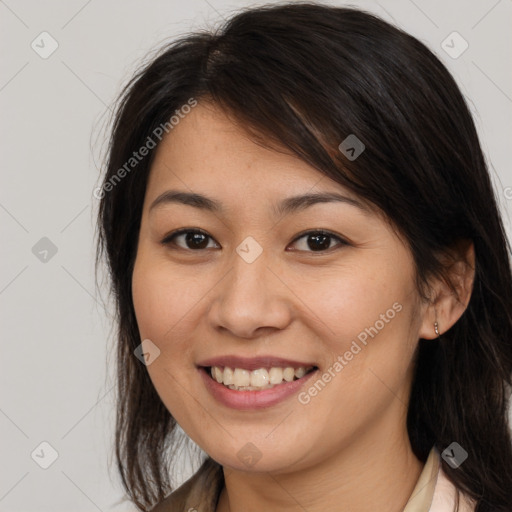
(260, 291)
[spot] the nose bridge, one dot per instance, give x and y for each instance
(250, 296)
(247, 286)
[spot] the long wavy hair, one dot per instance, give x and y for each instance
(305, 76)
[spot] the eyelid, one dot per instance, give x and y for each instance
(342, 241)
(321, 231)
(173, 234)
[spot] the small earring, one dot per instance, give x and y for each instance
(436, 329)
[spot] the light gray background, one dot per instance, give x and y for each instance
(56, 379)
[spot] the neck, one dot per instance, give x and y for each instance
(376, 471)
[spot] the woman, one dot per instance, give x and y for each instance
(310, 271)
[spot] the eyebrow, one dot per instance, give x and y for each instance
(284, 207)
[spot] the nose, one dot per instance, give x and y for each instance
(251, 300)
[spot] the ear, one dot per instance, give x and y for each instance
(448, 303)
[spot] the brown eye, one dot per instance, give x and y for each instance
(193, 239)
(196, 240)
(319, 241)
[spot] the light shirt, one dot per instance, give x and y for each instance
(433, 492)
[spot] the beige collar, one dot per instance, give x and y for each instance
(423, 492)
(433, 491)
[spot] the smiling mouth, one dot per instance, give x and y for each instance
(240, 379)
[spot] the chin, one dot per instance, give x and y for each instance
(255, 458)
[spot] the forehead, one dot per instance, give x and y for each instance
(208, 152)
(207, 143)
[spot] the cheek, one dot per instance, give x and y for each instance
(350, 300)
(149, 300)
(372, 315)
(160, 298)
(168, 305)
(161, 306)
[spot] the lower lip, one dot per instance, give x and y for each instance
(245, 400)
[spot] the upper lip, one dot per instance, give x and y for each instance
(253, 363)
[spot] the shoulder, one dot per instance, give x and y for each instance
(199, 492)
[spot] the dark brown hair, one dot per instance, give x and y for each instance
(305, 76)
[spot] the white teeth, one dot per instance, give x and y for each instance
(259, 378)
(228, 376)
(288, 374)
(276, 375)
(241, 377)
(262, 378)
(300, 372)
(218, 374)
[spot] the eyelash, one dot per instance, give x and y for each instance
(168, 240)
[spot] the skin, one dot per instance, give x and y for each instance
(348, 448)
